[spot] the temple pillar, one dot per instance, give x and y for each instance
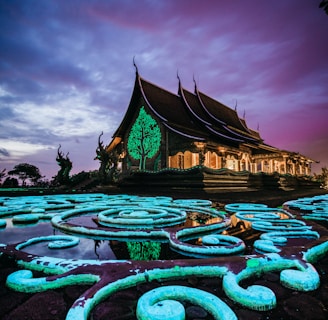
(293, 169)
(195, 159)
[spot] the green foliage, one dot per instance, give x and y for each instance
(10, 183)
(144, 139)
(80, 178)
(26, 171)
(144, 250)
(2, 174)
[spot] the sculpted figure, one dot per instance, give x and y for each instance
(65, 167)
(108, 161)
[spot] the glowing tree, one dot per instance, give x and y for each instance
(144, 138)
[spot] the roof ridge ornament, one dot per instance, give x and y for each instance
(134, 63)
(193, 78)
(178, 76)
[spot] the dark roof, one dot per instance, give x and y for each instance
(170, 108)
(193, 115)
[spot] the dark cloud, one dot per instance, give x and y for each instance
(4, 152)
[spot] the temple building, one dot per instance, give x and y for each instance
(165, 130)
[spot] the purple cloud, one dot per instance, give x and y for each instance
(64, 63)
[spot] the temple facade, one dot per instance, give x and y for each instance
(162, 130)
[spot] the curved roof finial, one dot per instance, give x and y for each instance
(178, 75)
(193, 78)
(134, 63)
(236, 104)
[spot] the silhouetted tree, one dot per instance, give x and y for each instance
(322, 177)
(10, 183)
(2, 175)
(26, 171)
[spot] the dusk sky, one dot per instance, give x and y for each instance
(67, 74)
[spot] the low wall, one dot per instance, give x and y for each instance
(224, 179)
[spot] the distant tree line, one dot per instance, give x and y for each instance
(25, 174)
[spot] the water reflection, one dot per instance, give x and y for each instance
(98, 249)
(87, 248)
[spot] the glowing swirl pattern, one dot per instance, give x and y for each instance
(315, 208)
(150, 218)
(161, 303)
(212, 245)
(56, 242)
(162, 219)
(278, 225)
(145, 217)
(261, 298)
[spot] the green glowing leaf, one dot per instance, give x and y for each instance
(144, 138)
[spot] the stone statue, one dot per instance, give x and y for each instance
(104, 158)
(108, 161)
(65, 167)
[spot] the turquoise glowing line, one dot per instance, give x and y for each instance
(262, 298)
(224, 245)
(58, 242)
(23, 281)
(315, 253)
(277, 237)
(3, 223)
(301, 280)
(160, 303)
